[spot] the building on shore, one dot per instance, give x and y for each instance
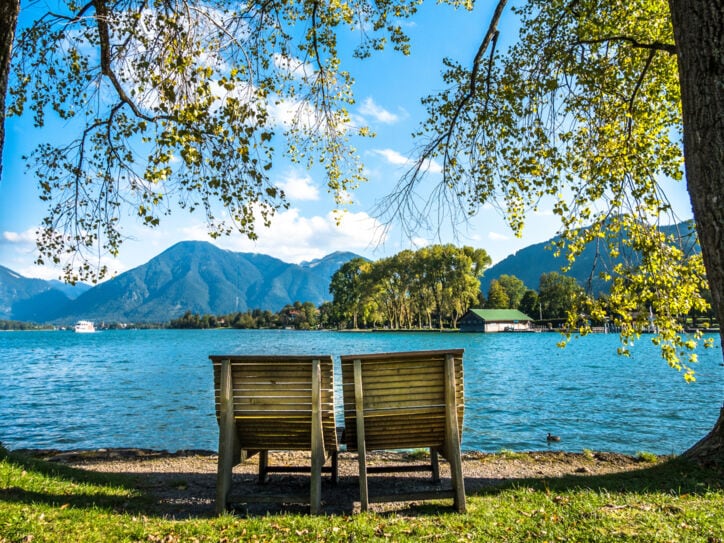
(495, 320)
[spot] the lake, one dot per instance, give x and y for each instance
(153, 388)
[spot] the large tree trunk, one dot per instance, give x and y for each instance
(708, 451)
(699, 35)
(9, 10)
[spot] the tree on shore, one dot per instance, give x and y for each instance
(497, 297)
(530, 305)
(409, 288)
(558, 295)
(347, 288)
(512, 288)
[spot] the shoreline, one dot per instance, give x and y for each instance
(81, 456)
(140, 453)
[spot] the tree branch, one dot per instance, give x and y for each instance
(490, 37)
(655, 46)
(75, 18)
(106, 64)
(318, 57)
(639, 82)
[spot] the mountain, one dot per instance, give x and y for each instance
(71, 291)
(530, 263)
(199, 277)
(27, 299)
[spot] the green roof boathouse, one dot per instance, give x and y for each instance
(495, 320)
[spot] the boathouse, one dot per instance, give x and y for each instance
(495, 320)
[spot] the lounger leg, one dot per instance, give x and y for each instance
(227, 439)
(435, 465)
(315, 497)
(452, 437)
(263, 466)
(361, 445)
(335, 468)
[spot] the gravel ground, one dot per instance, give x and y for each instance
(182, 484)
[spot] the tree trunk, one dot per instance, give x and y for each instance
(9, 10)
(708, 451)
(699, 35)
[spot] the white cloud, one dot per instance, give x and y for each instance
(20, 238)
(393, 157)
(419, 242)
(299, 188)
(19, 253)
(370, 109)
(287, 113)
(544, 212)
(495, 236)
(398, 159)
(294, 238)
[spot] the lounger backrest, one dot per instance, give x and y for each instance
(272, 398)
(404, 398)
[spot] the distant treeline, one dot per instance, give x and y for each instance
(18, 325)
(299, 315)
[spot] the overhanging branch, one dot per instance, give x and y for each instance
(102, 18)
(655, 46)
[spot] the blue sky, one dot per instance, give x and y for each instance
(388, 90)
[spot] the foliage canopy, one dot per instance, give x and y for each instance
(583, 113)
(411, 288)
(187, 103)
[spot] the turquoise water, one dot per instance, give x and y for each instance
(153, 388)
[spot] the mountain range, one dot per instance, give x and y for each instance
(199, 277)
(24, 299)
(190, 276)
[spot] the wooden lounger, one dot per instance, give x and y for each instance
(268, 403)
(405, 401)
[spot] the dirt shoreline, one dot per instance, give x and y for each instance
(182, 484)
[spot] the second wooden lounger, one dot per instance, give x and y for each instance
(405, 400)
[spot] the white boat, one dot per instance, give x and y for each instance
(84, 327)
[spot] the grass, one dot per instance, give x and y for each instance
(512, 455)
(667, 501)
(645, 456)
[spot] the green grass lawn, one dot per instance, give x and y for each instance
(667, 501)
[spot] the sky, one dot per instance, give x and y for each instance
(388, 89)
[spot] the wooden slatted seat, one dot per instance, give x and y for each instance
(268, 403)
(405, 401)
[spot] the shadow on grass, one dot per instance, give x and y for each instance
(676, 475)
(191, 495)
